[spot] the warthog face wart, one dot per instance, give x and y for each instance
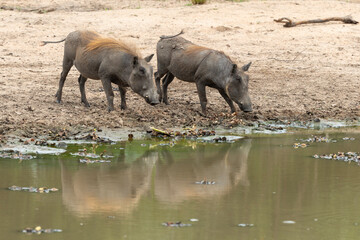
(238, 88)
(141, 80)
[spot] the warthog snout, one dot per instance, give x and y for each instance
(154, 103)
(245, 107)
(249, 109)
(154, 100)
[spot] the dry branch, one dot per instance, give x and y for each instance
(289, 23)
(37, 10)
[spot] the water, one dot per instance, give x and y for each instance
(263, 183)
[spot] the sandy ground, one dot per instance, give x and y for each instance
(301, 73)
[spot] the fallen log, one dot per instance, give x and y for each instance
(290, 23)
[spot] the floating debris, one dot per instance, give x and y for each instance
(16, 155)
(318, 139)
(94, 137)
(39, 230)
(205, 182)
(130, 137)
(33, 189)
(84, 153)
(194, 220)
(246, 225)
(220, 139)
(302, 145)
(341, 156)
(189, 132)
(288, 222)
(348, 138)
(176, 224)
(86, 160)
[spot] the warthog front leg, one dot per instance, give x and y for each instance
(82, 81)
(123, 97)
(166, 81)
(157, 82)
(202, 96)
(227, 99)
(67, 64)
(106, 82)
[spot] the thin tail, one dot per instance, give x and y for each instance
(43, 43)
(166, 37)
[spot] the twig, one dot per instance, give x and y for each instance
(283, 60)
(37, 10)
(289, 23)
(160, 131)
(289, 60)
(298, 54)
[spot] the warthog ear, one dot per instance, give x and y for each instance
(233, 71)
(246, 67)
(148, 58)
(135, 61)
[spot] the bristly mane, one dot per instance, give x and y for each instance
(195, 48)
(100, 43)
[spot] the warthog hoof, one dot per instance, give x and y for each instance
(203, 114)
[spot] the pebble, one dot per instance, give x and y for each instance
(245, 225)
(204, 182)
(39, 230)
(289, 222)
(176, 224)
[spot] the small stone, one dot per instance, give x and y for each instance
(289, 222)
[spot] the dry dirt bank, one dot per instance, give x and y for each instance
(300, 73)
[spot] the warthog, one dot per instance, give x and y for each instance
(109, 60)
(180, 58)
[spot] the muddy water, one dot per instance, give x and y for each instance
(259, 180)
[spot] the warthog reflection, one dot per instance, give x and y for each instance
(175, 180)
(119, 188)
(107, 189)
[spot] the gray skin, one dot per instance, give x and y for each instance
(110, 66)
(204, 67)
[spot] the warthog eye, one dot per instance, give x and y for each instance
(142, 70)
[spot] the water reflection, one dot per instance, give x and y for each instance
(227, 166)
(172, 171)
(107, 189)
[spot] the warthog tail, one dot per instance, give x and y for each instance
(43, 43)
(166, 37)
